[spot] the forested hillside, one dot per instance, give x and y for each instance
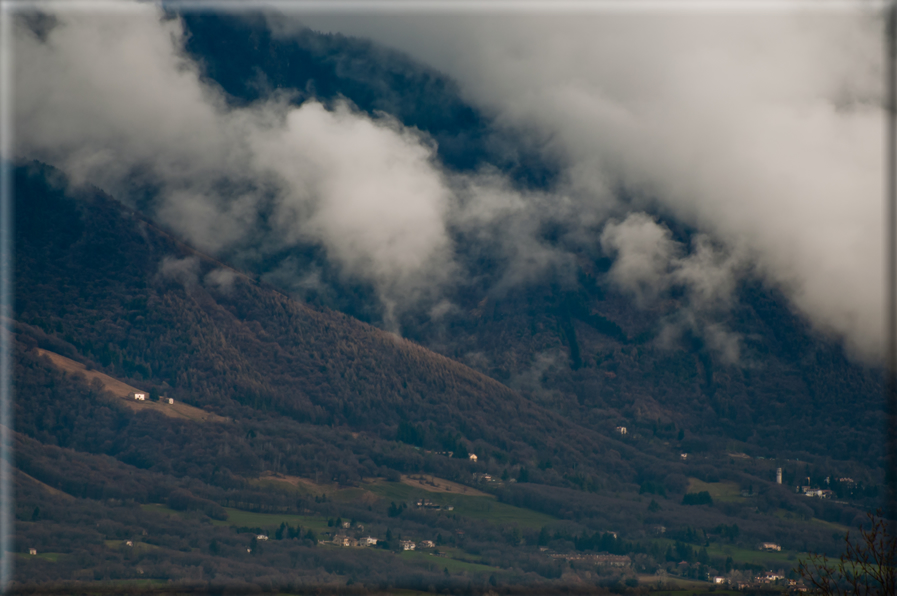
(567, 339)
(394, 334)
(135, 304)
(342, 406)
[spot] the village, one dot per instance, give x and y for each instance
(341, 537)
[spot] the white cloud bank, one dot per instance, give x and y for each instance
(110, 99)
(761, 129)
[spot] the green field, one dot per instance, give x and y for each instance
(775, 559)
(334, 493)
(280, 486)
(249, 519)
(140, 547)
(52, 557)
(672, 583)
(725, 492)
(439, 563)
(457, 553)
(485, 508)
(839, 528)
(783, 559)
(703, 589)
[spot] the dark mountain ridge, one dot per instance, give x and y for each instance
(100, 283)
(569, 339)
(314, 394)
(537, 380)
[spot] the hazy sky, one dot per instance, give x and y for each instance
(761, 130)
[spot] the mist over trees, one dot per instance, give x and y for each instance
(576, 408)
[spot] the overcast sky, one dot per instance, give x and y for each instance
(761, 130)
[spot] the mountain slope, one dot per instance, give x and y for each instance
(134, 303)
(569, 340)
(314, 394)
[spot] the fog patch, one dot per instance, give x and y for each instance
(649, 264)
(184, 271)
(221, 279)
(529, 381)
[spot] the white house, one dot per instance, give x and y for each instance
(427, 544)
(473, 457)
(622, 430)
(368, 541)
(129, 543)
(770, 546)
(170, 400)
(32, 551)
(261, 537)
(407, 545)
(138, 395)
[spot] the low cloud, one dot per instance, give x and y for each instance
(220, 279)
(761, 131)
(529, 381)
(648, 263)
(760, 128)
(643, 252)
(112, 99)
(184, 271)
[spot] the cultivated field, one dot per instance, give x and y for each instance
(121, 391)
(439, 485)
(719, 491)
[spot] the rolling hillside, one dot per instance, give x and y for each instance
(104, 298)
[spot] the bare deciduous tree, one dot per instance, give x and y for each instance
(866, 567)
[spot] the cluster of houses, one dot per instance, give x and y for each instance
(602, 559)
(471, 457)
(428, 504)
(143, 396)
(343, 540)
(822, 493)
(488, 478)
(760, 581)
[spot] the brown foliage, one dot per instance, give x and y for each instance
(867, 565)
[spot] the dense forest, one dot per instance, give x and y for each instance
(538, 436)
(311, 393)
(567, 340)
